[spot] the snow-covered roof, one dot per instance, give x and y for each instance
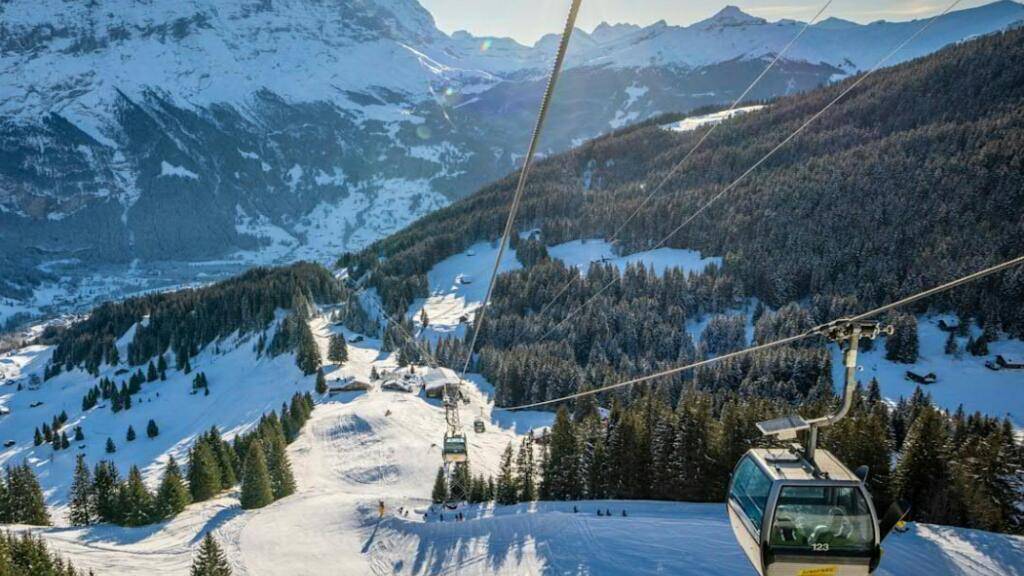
(438, 377)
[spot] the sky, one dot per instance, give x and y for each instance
(527, 20)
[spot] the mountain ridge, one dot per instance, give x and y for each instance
(247, 134)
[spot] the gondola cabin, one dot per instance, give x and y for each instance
(478, 426)
(792, 518)
(454, 449)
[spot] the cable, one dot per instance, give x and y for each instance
(675, 168)
(788, 340)
(556, 68)
(765, 158)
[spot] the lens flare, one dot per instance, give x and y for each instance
(423, 132)
(485, 46)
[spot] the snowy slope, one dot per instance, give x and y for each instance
(581, 254)
(963, 378)
(694, 122)
(361, 447)
(458, 284)
(242, 388)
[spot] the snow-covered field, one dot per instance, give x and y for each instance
(694, 122)
(963, 379)
(580, 253)
(360, 447)
(458, 284)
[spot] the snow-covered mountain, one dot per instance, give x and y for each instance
(270, 131)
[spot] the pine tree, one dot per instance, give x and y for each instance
(256, 485)
(47, 433)
(105, 482)
(562, 473)
(525, 480)
(135, 503)
(211, 560)
(951, 347)
(204, 479)
(64, 443)
(151, 429)
(505, 489)
(151, 373)
(25, 504)
(440, 491)
(923, 475)
(110, 448)
(79, 434)
(81, 501)
(172, 496)
(37, 438)
(321, 381)
(692, 461)
(902, 345)
(130, 436)
(307, 354)
(337, 349)
(281, 479)
(227, 460)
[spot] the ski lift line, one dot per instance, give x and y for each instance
(675, 168)
(815, 331)
(768, 155)
(517, 197)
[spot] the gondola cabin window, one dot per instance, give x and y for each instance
(750, 488)
(833, 519)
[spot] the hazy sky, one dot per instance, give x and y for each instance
(527, 20)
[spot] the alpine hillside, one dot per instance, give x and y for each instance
(136, 139)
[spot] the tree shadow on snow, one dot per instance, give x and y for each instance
(125, 535)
